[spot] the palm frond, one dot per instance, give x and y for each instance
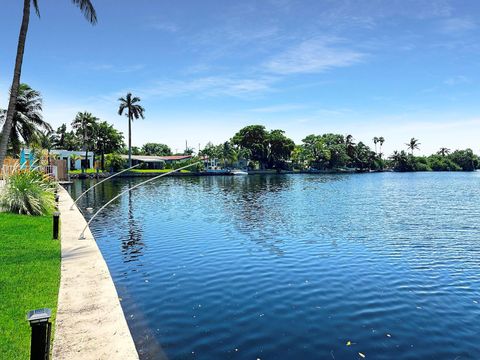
(122, 107)
(37, 9)
(86, 7)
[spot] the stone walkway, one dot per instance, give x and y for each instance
(90, 322)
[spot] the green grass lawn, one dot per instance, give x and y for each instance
(29, 278)
(88, 171)
(154, 171)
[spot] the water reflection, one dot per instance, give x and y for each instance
(133, 246)
(294, 266)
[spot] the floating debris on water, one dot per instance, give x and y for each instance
(361, 355)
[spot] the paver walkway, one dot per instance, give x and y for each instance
(90, 322)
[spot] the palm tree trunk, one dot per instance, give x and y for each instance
(85, 163)
(7, 127)
(129, 139)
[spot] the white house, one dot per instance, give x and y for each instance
(67, 155)
(75, 164)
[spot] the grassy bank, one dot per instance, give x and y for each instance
(29, 278)
(155, 171)
(87, 171)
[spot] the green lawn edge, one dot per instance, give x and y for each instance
(29, 278)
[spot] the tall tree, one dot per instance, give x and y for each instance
(255, 139)
(375, 141)
(85, 125)
(156, 149)
(71, 142)
(413, 145)
(443, 151)
(229, 154)
(47, 141)
(381, 140)
(60, 136)
(27, 121)
(280, 148)
(108, 140)
(350, 146)
(86, 8)
(133, 111)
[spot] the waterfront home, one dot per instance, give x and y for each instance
(156, 162)
(73, 158)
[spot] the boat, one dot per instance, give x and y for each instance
(238, 172)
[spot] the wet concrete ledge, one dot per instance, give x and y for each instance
(90, 323)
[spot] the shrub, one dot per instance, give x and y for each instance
(114, 162)
(28, 192)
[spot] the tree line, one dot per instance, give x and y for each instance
(253, 146)
(263, 149)
(85, 133)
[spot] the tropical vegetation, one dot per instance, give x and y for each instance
(86, 8)
(28, 125)
(133, 110)
(28, 192)
(258, 148)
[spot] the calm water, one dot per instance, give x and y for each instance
(295, 266)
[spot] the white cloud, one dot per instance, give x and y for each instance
(107, 67)
(457, 25)
(456, 80)
(314, 56)
(164, 26)
(211, 86)
(279, 108)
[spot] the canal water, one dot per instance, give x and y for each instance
(385, 266)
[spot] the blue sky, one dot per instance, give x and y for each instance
(204, 69)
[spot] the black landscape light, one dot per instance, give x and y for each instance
(41, 330)
(56, 226)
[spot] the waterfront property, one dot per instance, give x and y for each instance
(305, 266)
(156, 162)
(74, 159)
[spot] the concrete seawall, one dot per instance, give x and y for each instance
(90, 322)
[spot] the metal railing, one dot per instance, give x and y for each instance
(82, 234)
(9, 170)
(98, 183)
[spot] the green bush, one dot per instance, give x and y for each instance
(114, 162)
(28, 192)
(442, 163)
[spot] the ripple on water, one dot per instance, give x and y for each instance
(295, 266)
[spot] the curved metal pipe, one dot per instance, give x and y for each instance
(82, 234)
(92, 187)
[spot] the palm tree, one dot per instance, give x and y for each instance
(350, 145)
(413, 144)
(47, 141)
(27, 121)
(375, 141)
(60, 136)
(381, 140)
(86, 8)
(443, 151)
(133, 111)
(85, 125)
(73, 159)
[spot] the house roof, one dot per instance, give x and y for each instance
(175, 157)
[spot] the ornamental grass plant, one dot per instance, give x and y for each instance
(28, 192)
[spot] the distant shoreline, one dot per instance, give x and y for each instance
(250, 173)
